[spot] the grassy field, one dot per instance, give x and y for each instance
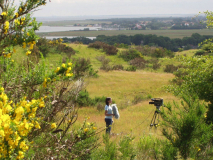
(122, 86)
(167, 33)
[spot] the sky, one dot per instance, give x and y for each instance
(122, 7)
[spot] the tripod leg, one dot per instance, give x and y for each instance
(156, 114)
(151, 124)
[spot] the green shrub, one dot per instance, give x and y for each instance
(170, 68)
(118, 67)
(108, 152)
(140, 97)
(84, 99)
(148, 148)
(200, 53)
(186, 129)
(65, 49)
(108, 49)
(105, 65)
(180, 49)
(139, 63)
(131, 68)
(43, 46)
(130, 54)
(83, 66)
(169, 152)
(157, 52)
(126, 147)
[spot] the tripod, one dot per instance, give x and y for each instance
(156, 115)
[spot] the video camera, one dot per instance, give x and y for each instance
(157, 102)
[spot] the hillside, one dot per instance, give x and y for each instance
(123, 87)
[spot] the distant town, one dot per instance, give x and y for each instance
(147, 24)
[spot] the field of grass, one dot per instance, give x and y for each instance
(190, 52)
(167, 33)
(122, 86)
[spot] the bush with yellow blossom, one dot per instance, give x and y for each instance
(18, 27)
(17, 121)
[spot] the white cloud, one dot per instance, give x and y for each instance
(120, 7)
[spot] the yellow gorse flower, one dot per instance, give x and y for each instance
(17, 22)
(86, 130)
(20, 9)
(4, 13)
(58, 68)
(53, 125)
(28, 52)
(15, 125)
(16, 15)
(6, 27)
(24, 45)
(63, 65)
(69, 74)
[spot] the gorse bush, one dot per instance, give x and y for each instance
(157, 52)
(130, 54)
(131, 68)
(140, 63)
(109, 49)
(83, 67)
(54, 46)
(84, 99)
(189, 133)
(170, 68)
(17, 121)
(43, 46)
(118, 67)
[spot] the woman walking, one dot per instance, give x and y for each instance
(108, 115)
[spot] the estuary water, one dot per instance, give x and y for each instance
(66, 28)
(56, 37)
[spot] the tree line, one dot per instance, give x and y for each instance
(151, 40)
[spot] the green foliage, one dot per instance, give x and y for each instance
(140, 97)
(196, 78)
(139, 63)
(83, 67)
(126, 147)
(170, 68)
(43, 46)
(186, 129)
(200, 52)
(148, 148)
(109, 151)
(122, 45)
(157, 52)
(169, 151)
(108, 49)
(84, 99)
(130, 54)
(18, 27)
(131, 68)
(118, 67)
(180, 49)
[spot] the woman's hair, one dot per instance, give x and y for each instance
(107, 100)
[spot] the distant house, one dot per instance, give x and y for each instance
(186, 24)
(138, 26)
